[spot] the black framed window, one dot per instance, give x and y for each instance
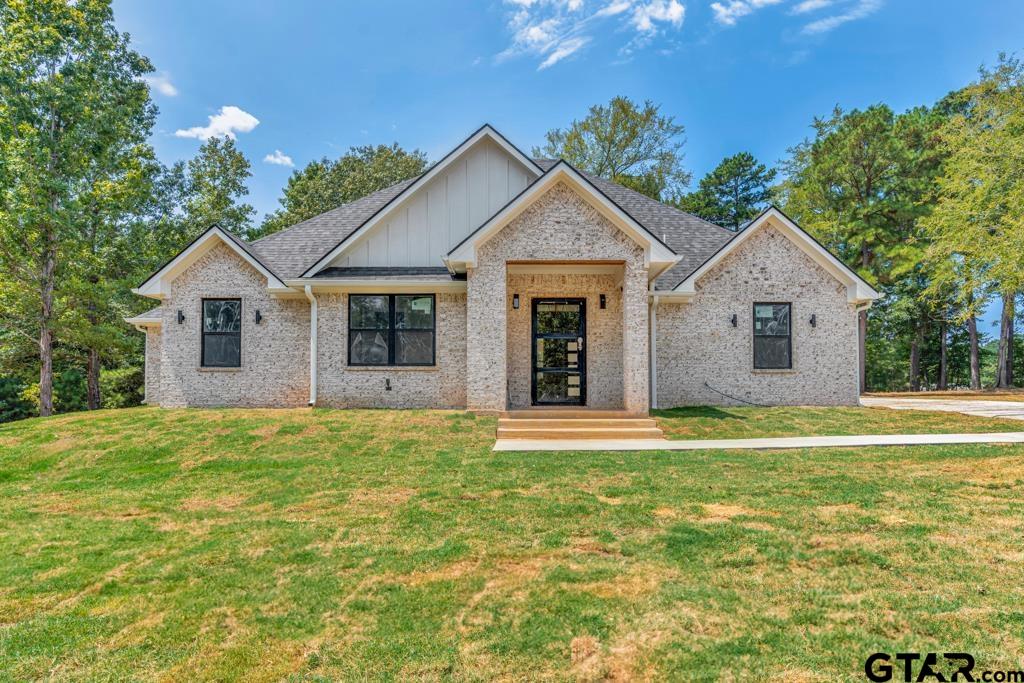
(222, 333)
(773, 338)
(391, 329)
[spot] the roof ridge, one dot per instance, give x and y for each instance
(338, 207)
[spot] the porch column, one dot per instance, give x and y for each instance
(486, 356)
(635, 353)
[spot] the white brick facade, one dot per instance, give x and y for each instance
(697, 343)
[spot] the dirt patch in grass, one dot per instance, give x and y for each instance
(224, 503)
(381, 497)
(723, 512)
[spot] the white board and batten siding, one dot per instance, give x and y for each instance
(426, 225)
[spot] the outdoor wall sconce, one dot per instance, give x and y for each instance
(387, 384)
(733, 320)
(515, 301)
(259, 318)
(604, 302)
(814, 319)
(181, 317)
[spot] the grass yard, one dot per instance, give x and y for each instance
(319, 545)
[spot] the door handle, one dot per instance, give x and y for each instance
(579, 343)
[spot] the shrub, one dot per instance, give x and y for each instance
(69, 392)
(122, 387)
(13, 405)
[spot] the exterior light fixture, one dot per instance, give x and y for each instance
(259, 317)
(515, 301)
(181, 317)
(604, 301)
(387, 384)
(814, 320)
(733, 320)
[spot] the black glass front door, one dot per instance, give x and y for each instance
(559, 352)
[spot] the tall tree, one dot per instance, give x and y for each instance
(65, 72)
(627, 143)
(860, 186)
(215, 184)
(324, 185)
(977, 226)
(733, 193)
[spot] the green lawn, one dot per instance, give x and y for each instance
(318, 545)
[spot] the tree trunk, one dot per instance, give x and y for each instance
(915, 361)
(45, 331)
(862, 335)
(93, 379)
(972, 331)
(943, 382)
(1004, 363)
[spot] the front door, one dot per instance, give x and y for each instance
(559, 374)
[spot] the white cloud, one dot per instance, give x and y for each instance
(227, 122)
(729, 13)
(161, 83)
(562, 51)
(552, 30)
(279, 158)
(670, 12)
(862, 9)
(811, 5)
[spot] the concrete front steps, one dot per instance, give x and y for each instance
(567, 423)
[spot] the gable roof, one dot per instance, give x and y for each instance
(485, 131)
(858, 289)
(156, 285)
(655, 250)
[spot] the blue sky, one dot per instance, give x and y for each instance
(298, 80)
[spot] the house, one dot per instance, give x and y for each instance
(497, 281)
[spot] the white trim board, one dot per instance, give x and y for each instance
(382, 286)
(485, 131)
(858, 291)
(464, 255)
(157, 286)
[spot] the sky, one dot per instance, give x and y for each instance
(298, 80)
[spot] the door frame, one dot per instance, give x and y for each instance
(582, 332)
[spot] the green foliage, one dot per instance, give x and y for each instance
(733, 193)
(626, 143)
(69, 391)
(324, 185)
(216, 182)
(122, 387)
(14, 406)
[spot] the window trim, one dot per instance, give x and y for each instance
(392, 332)
(203, 332)
(754, 335)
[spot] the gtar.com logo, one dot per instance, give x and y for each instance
(915, 666)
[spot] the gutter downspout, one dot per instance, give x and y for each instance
(312, 344)
(653, 317)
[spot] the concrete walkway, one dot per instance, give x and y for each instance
(769, 443)
(1010, 410)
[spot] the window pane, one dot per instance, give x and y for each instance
(414, 312)
(368, 312)
(555, 318)
(771, 352)
(557, 353)
(771, 319)
(222, 350)
(368, 348)
(414, 347)
(222, 315)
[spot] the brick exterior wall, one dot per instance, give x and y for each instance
(275, 354)
(560, 225)
(154, 337)
(697, 342)
(603, 344)
(440, 386)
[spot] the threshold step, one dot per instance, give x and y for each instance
(567, 413)
(580, 433)
(578, 423)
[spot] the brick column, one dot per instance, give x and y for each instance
(486, 359)
(635, 351)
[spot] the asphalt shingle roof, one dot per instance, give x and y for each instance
(292, 251)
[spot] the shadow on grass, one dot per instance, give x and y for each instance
(699, 411)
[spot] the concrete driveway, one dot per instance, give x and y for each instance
(1010, 410)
